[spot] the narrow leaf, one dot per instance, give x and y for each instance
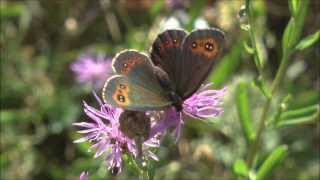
(280, 109)
(245, 27)
(306, 98)
(308, 41)
(293, 6)
(288, 34)
(248, 48)
(294, 28)
(261, 85)
(244, 111)
(299, 116)
(302, 112)
(240, 168)
(259, 58)
(272, 161)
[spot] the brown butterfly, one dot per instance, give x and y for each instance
(178, 65)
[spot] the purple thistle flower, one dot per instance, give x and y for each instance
(93, 70)
(103, 131)
(205, 103)
(177, 4)
(84, 175)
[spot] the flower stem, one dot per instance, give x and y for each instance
(252, 34)
(275, 83)
(279, 75)
(144, 173)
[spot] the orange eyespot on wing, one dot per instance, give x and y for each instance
(129, 64)
(201, 49)
(169, 43)
(120, 91)
(207, 47)
(129, 61)
(121, 95)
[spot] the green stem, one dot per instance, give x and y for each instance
(252, 35)
(279, 76)
(254, 148)
(145, 174)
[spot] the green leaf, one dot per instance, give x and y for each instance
(308, 41)
(249, 49)
(302, 112)
(244, 113)
(261, 85)
(272, 161)
(240, 168)
(303, 99)
(293, 6)
(259, 57)
(287, 39)
(294, 28)
(280, 109)
(299, 116)
(245, 27)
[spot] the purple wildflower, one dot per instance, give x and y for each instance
(103, 131)
(93, 70)
(84, 175)
(177, 4)
(205, 103)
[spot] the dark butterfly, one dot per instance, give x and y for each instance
(179, 64)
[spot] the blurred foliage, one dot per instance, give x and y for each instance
(40, 97)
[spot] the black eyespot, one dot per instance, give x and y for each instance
(125, 65)
(209, 46)
(174, 41)
(194, 45)
(121, 98)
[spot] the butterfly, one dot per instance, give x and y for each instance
(178, 64)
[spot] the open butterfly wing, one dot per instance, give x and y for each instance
(167, 52)
(188, 59)
(201, 49)
(121, 92)
(136, 86)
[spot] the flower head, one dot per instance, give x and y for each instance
(205, 103)
(93, 70)
(103, 131)
(84, 175)
(177, 4)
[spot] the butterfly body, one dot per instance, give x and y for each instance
(178, 66)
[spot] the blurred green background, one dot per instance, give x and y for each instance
(40, 98)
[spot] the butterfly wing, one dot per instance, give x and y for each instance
(166, 53)
(122, 92)
(200, 50)
(136, 87)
